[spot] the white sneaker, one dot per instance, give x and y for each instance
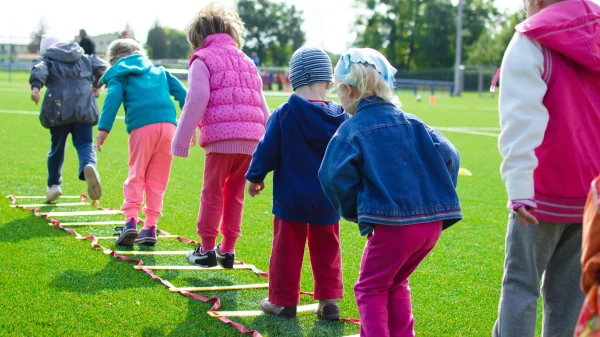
(53, 193)
(93, 182)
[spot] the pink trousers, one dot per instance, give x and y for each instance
(222, 198)
(285, 266)
(382, 293)
(149, 169)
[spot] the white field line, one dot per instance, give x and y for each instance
(24, 112)
(468, 131)
(480, 131)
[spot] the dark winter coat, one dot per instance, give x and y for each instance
(68, 75)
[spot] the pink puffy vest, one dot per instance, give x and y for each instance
(234, 108)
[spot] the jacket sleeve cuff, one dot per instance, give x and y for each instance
(520, 187)
(514, 205)
(254, 179)
(36, 84)
(103, 129)
(180, 151)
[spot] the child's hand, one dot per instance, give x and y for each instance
(100, 139)
(254, 189)
(525, 217)
(35, 95)
(95, 92)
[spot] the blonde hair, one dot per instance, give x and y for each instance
(215, 19)
(369, 82)
(121, 48)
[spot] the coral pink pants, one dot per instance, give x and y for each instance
(222, 198)
(149, 169)
(285, 267)
(382, 293)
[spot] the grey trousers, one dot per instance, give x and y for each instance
(551, 253)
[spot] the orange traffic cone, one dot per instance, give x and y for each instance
(432, 100)
(287, 89)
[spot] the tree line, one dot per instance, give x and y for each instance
(413, 34)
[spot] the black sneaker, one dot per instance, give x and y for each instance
(206, 260)
(225, 260)
(277, 310)
(147, 236)
(128, 233)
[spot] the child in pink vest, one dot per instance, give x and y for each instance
(227, 104)
(549, 118)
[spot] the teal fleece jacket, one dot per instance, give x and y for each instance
(144, 90)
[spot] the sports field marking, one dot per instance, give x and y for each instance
(62, 214)
(467, 131)
(114, 237)
(92, 223)
(221, 288)
(235, 266)
(44, 197)
(25, 112)
(250, 313)
(66, 204)
(151, 252)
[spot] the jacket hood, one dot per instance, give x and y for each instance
(68, 53)
(571, 28)
(318, 122)
(132, 64)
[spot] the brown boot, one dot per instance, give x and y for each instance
(328, 310)
(276, 310)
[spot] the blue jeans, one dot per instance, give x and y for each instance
(83, 142)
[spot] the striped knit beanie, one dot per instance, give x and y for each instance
(310, 65)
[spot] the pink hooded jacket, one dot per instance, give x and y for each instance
(569, 154)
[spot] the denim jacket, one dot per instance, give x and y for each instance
(386, 167)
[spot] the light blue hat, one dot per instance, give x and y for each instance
(364, 56)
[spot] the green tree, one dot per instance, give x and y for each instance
(177, 45)
(419, 33)
(273, 30)
(489, 48)
(157, 42)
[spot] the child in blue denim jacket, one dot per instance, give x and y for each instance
(396, 177)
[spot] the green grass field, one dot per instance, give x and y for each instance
(52, 284)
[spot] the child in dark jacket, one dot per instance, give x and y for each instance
(396, 177)
(293, 146)
(69, 107)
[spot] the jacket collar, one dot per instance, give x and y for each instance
(371, 101)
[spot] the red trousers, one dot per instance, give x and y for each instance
(285, 267)
(222, 198)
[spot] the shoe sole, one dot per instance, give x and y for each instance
(192, 260)
(146, 241)
(53, 197)
(92, 178)
(328, 317)
(127, 238)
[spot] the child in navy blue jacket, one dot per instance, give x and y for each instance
(394, 176)
(293, 146)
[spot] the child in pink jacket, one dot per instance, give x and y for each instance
(227, 104)
(549, 118)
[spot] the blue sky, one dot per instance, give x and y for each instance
(327, 23)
